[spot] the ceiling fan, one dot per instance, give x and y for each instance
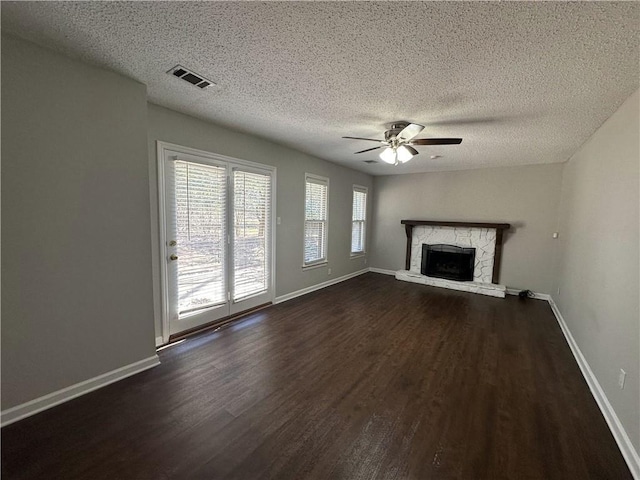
(398, 142)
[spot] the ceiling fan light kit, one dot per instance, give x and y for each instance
(394, 156)
(403, 154)
(398, 141)
(388, 156)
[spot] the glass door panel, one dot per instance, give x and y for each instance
(200, 236)
(197, 243)
(251, 231)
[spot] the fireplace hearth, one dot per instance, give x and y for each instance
(448, 261)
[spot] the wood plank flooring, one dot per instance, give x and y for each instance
(368, 379)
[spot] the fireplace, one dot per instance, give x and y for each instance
(462, 256)
(448, 261)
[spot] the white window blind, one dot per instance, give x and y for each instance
(200, 204)
(358, 219)
(251, 221)
(315, 219)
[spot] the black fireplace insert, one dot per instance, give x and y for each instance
(448, 261)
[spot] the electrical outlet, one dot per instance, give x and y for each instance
(328, 271)
(558, 290)
(621, 378)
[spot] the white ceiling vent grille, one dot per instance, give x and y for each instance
(193, 78)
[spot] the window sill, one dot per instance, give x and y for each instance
(315, 265)
(358, 255)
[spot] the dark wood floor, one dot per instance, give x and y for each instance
(368, 379)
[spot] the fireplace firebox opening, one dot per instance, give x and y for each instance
(448, 261)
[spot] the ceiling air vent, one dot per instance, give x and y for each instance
(370, 161)
(193, 78)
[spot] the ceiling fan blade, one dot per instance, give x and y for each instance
(369, 149)
(410, 131)
(360, 138)
(411, 149)
(436, 141)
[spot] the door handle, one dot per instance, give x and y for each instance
(173, 257)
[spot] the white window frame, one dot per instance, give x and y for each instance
(312, 178)
(365, 190)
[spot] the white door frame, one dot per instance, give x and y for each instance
(161, 148)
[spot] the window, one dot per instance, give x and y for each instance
(358, 220)
(316, 200)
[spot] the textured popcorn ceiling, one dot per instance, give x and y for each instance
(520, 82)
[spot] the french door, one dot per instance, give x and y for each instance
(217, 236)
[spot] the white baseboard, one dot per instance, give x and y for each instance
(319, 286)
(619, 434)
(538, 296)
(45, 402)
(383, 271)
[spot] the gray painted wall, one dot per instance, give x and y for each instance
(599, 264)
(76, 256)
(173, 127)
(527, 197)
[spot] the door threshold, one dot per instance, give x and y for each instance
(221, 322)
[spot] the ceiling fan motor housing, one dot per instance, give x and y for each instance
(396, 128)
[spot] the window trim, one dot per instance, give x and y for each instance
(361, 189)
(318, 179)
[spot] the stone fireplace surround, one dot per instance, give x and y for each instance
(486, 238)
